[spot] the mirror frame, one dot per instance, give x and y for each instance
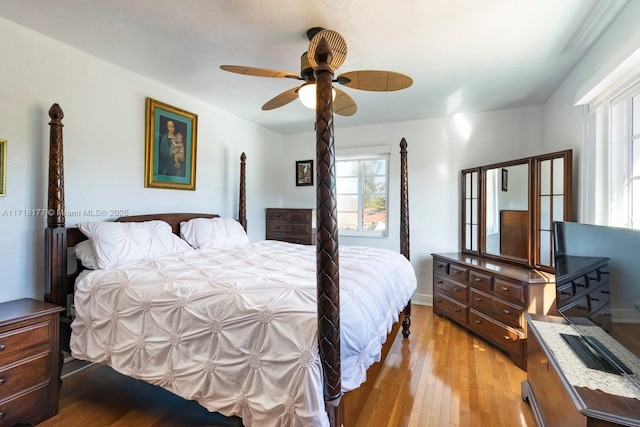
(534, 258)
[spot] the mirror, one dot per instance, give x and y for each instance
(508, 208)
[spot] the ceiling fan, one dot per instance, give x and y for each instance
(343, 104)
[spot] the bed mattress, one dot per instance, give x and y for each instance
(236, 329)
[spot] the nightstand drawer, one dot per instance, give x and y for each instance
(16, 409)
(24, 374)
(16, 340)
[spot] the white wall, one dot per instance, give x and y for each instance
(104, 109)
(438, 149)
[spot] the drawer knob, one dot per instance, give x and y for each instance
(478, 299)
(2, 380)
(506, 311)
(605, 292)
(439, 282)
(438, 300)
(439, 266)
(456, 271)
(2, 347)
(505, 289)
(595, 299)
(457, 310)
(508, 338)
(478, 322)
(478, 279)
(1, 415)
(458, 290)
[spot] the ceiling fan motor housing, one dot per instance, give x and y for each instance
(306, 70)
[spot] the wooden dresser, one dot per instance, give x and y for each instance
(490, 298)
(291, 225)
(29, 361)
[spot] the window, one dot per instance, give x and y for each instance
(613, 147)
(361, 189)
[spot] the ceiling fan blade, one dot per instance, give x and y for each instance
(338, 48)
(259, 72)
(344, 105)
(283, 99)
(377, 81)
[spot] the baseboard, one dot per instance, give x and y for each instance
(625, 316)
(422, 299)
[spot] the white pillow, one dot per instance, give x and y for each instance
(119, 243)
(213, 233)
(85, 253)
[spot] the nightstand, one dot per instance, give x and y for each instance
(29, 361)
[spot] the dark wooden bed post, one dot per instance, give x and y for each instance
(55, 233)
(327, 237)
(242, 204)
(404, 224)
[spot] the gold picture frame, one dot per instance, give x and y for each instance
(3, 167)
(170, 147)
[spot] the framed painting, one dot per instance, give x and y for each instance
(3, 167)
(304, 172)
(170, 147)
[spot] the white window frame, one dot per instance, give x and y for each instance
(607, 169)
(366, 153)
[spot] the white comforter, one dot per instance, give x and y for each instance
(236, 329)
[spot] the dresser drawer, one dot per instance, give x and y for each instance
(598, 298)
(502, 311)
(578, 308)
(16, 340)
(481, 281)
(509, 291)
(24, 374)
(275, 215)
(440, 267)
(564, 293)
(288, 228)
(458, 273)
(452, 309)
(504, 337)
(16, 409)
(455, 290)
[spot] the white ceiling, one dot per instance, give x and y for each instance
(464, 55)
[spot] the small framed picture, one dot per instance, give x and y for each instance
(170, 147)
(505, 179)
(304, 172)
(3, 167)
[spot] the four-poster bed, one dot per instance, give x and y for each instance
(340, 410)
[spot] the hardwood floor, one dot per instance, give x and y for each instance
(441, 376)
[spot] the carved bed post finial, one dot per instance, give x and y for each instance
(327, 236)
(242, 205)
(404, 225)
(55, 246)
(55, 202)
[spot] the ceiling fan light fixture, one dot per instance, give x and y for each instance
(307, 95)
